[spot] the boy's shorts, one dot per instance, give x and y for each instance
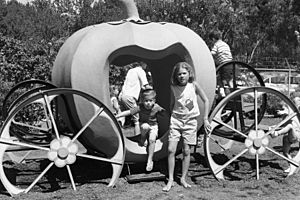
(152, 130)
(129, 102)
(187, 129)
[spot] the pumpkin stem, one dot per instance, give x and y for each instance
(130, 9)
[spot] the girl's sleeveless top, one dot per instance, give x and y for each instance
(185, 105)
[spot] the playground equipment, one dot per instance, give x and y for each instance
(248, 139)
(69, 120)
(65, 125)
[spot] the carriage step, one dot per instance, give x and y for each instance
(145, 177)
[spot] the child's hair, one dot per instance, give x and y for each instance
(148, 93)
(139, 64)
(215, 35)
(185, 65)
(111, 90)
(142, 63)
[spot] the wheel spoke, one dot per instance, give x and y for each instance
(119, 162)
(227, 126)
(71, 177)
(88, 123)
(51, 116)
(230, 161)
(39, 177)
(282, 156)
(255, 110)
(11, 142)
(257, 166)
(30, 126)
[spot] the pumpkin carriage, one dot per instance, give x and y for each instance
(70, 119)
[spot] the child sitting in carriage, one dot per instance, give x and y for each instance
(148, 111)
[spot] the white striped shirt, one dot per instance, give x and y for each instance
(221, 52)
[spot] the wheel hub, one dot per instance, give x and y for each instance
(256, 142)
(62, 151)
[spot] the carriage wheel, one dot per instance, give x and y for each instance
(16, 95)
(21, 91)
(232, 76)
(252, 152)
(63, 149)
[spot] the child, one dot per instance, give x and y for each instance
(148, 111)
(221, 50)
(183, 124)
(221, 53)
(135, 81)
(114, 92)
(291, 131)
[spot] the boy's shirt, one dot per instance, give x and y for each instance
(221, 51)
(147, 116)
(135, 79)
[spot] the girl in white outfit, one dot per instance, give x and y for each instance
(183, 124)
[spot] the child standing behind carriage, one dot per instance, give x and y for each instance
(222, 54)
(183, 122)
(114, 92)
(148, 111)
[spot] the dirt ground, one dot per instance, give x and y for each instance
(91, 180)
(92, 177)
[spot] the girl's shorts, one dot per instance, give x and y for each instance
(187, 129)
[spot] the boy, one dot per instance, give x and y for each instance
(135, 80)
(221, 50)
(147, 111)
(221, 53)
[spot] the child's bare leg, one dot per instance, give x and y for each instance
(144, 131)
(151, 148)
(288, 140)
(137, 129)
(286, 146)
(171, 164)
(286, 149)
(185, 164)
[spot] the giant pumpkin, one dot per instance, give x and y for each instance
(83, 64)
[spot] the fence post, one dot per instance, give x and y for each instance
(289, 76)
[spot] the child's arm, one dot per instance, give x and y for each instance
(123, 114)
(172, 101)
(214, 50)
(116, 105)
(204, 98)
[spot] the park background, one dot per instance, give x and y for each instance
(259, 32)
